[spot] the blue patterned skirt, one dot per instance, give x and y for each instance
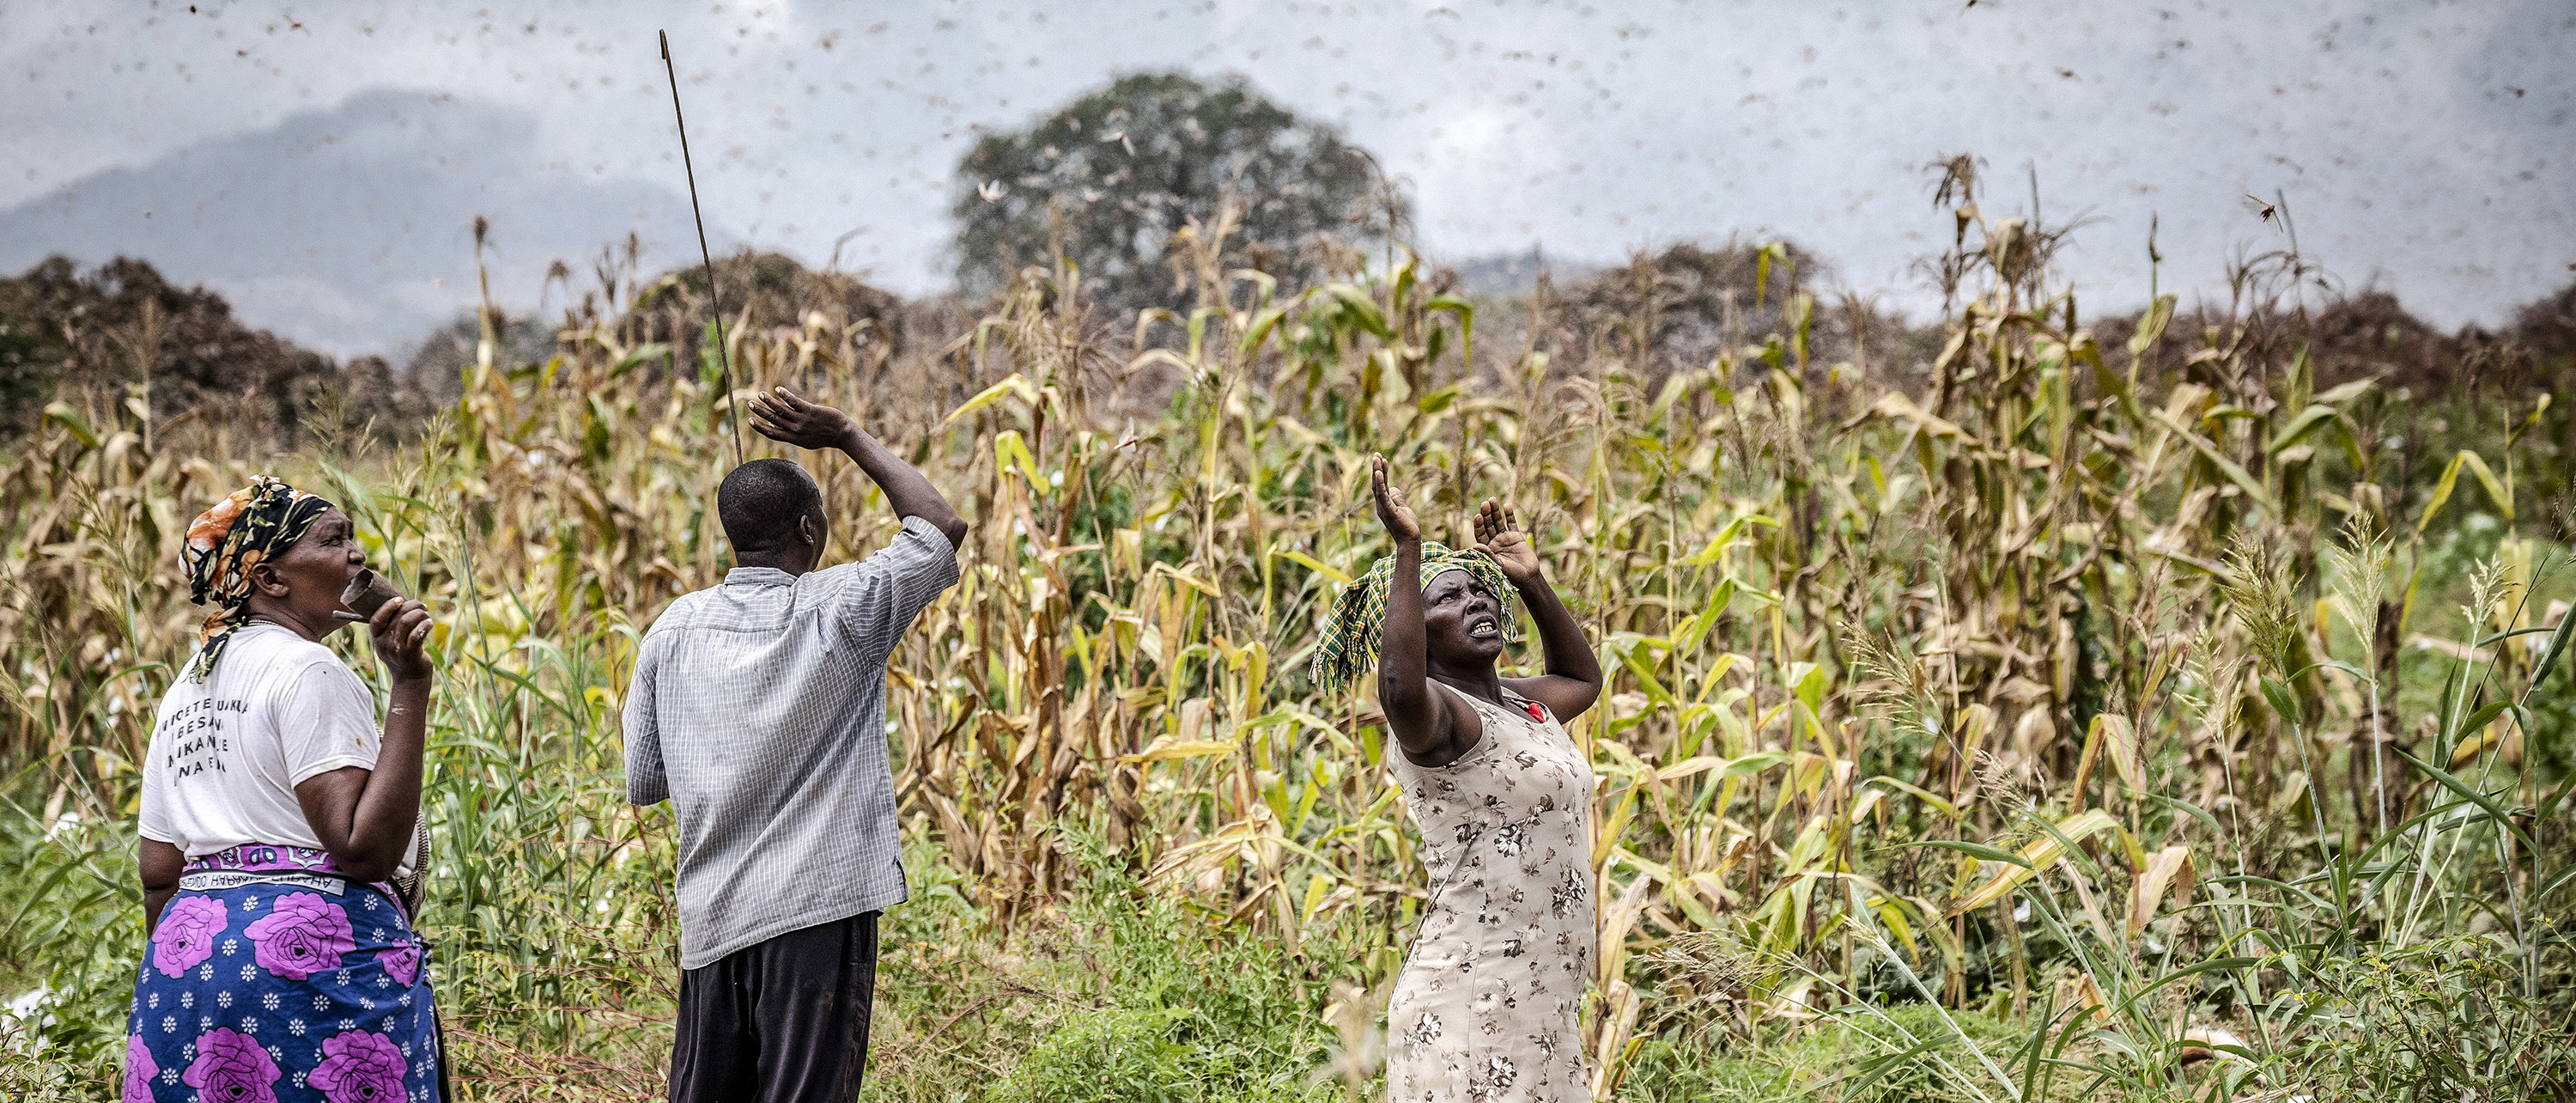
(274, 979)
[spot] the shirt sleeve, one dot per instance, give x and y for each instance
(894, 585)
(327, 721)
(646, 783)
(156, 802)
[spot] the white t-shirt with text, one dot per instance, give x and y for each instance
(228, 752)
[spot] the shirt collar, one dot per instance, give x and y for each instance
(758, 576)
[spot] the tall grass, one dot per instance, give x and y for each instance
(2036, 721)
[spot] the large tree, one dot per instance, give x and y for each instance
(1121, 169)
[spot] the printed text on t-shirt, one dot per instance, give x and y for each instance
(196, 730)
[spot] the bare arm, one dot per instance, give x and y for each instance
(364, 817)
(160, 863)
(1424, 720)
(1573, 679)
(782, 416)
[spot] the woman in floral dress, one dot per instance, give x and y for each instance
(282, 966)
(1489, 1005)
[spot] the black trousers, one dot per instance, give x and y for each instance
(780, 1021)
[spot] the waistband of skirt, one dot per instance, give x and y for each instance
(265, 858)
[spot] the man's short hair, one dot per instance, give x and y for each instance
(761, 501)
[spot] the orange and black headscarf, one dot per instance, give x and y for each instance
(224, 543)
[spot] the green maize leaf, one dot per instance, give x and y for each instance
(1979, 851)
(2300, 426)
(62, 413)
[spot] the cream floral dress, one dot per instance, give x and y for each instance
(1489, 1004)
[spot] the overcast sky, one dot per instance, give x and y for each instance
(319, 163)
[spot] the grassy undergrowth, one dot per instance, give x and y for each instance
(1113, 993)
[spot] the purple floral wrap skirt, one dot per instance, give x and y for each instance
(273, 979)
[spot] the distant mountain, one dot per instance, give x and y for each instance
(350, 230)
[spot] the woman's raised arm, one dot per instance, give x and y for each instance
(1421, 722)
(365, 817)
(1573, 679)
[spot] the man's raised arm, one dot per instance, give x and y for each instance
(782, 416)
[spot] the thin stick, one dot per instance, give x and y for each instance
(723, 355)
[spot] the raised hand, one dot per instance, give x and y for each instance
(783, 417)
(1498, 534)
(1391, 510)
(400, 631)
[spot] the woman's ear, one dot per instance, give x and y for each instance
(264, 579)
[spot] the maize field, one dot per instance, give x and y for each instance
(2047, 709)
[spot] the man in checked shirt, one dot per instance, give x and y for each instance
(758, 711)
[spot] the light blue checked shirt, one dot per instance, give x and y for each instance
(758, 711)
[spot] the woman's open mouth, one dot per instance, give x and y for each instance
(1485, 626)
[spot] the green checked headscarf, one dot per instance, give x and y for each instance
(1358, 620)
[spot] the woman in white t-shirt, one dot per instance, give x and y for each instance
(282, 966)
